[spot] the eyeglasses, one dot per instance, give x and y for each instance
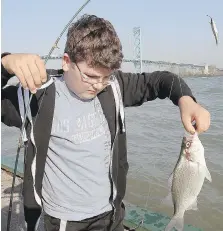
(104, 80)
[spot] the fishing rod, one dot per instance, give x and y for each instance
(20, 143)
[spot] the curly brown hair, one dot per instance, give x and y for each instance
(94, 40)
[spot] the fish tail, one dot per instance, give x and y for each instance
(209, 16)
(177, 223)
(216, 40)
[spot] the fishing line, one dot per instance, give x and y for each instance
(148, 195)
(20, 143)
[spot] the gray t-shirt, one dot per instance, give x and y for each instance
(76, 183)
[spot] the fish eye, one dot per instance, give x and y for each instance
(188, 144)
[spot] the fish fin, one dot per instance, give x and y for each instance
(206, 171)
(208, 174)
(193, 206)
(167, 200)
(177, 223)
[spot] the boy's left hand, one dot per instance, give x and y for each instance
(191, 111)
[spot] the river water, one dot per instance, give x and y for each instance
(154, 133)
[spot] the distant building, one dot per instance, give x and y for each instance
(212, 69)
(206, 69)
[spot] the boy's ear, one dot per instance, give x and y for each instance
(66, 62)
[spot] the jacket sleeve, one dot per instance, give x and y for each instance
(140, 88)
(9, 102)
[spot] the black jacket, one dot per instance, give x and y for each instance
(135, 88)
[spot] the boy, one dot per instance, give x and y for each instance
(75, 155)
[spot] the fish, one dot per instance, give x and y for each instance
(214, 29)
(186, 180)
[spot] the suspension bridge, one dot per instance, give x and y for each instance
(142, 65)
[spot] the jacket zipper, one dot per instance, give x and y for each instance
(117, 102)
(114, 187)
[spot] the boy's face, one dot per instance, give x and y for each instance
(86, 82)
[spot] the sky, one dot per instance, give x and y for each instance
(174, 31)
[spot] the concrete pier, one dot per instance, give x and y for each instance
(17, 221)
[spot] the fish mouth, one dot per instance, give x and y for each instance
(190, 136)
(188, 140)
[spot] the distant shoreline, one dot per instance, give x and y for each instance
(14, 81)
(209, 76)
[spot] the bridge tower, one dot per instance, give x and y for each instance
(137, 49)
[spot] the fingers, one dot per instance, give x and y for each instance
(27, 75)
(42, 70)
(29, 69)
(22, 79)
(35, 74)
(202, 122)
(199, 126)
(186, 120)
(202, 118)
(191, 113)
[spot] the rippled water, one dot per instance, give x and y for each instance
(154, 133)
(154, 137)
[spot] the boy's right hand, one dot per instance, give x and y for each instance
(29, 69)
